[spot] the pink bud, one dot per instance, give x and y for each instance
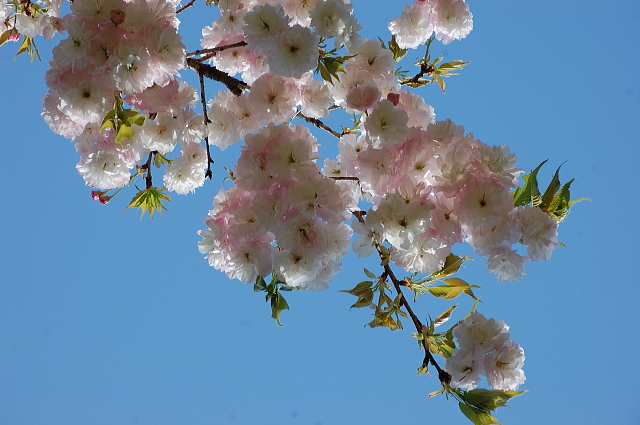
(104, 199)
(118, 16)
(14, 35)
(393, 98)
(95, 195)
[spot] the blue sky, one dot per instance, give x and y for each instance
(106, 319)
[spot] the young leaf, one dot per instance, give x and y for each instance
(278, 303)
(553, 187)
(477, 416)
(529, 192)
(260, 284)
(370, 274)
(440, 82)
(451, 265)
(149, 200)
(455, 281)
(559, 206)
(444, 316)
(398, 52)
(489, 400)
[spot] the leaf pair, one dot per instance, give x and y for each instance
(278, 303)
(556, 198)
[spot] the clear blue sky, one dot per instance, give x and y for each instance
(105, 319)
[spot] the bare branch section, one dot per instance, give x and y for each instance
(208, 173)
(212, 52)
(185, 7)
(233, 84)
(319, 124)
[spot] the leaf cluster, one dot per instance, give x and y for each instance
(398, 52)
(478, 404)
(122, 120)
(453, 286)
(278, 303)
(387, 311)
(150, 200)
(329, 64)
(435, 70)
(555, 200)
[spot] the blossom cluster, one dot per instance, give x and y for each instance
(118, 52)
(432, 186)
(448, 19)
(279, 195)
(282, 36)
(484, 348)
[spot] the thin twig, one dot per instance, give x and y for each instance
(186, 6)
(345, 178)
(215, 50)
(208, 173)
(147, 167)
(424, 69)
(319, 124)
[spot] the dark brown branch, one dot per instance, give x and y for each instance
(211, 52)
(346, 178)
(233, 84)
(147, 167)
(424, 69)
(186, 6)
(443, 376)
(208, 173)
(319, 124)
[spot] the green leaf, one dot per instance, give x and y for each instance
(440, 82)
(559, 206)
(477, 416)
(124, 132)
(364, 300)
(260, 284)
(150, 200)
(370, 274)
(107, 123)
(452, 289)
(24, 45)
(553, 187)
(529, 192)
(489, 400)
(360, 288)
(4, 37)
(159, 160)
(451, 265)
(278, 303)
(398, 52)
(444, 316)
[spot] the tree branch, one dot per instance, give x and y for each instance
(443, 376)
(208, 173)
(147, 167)
(215, 50)
(319, 124)
(186, 6)
(233, 84)
(424, 69)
